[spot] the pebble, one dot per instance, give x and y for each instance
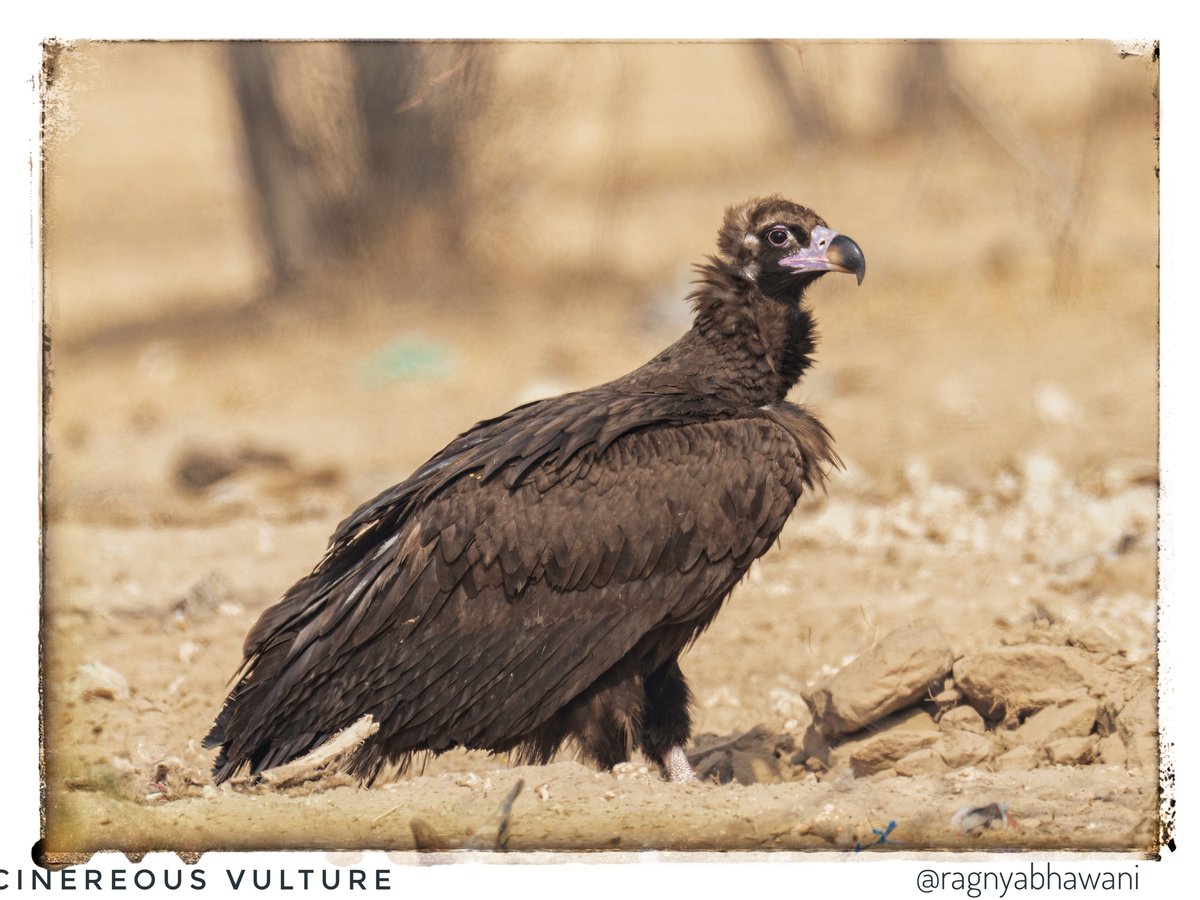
(927, 761)
(96, 681)
(1111, 750)
(1074, 718)
(1018, 758)
(962, 718)
(889, 741)
(1137, 723)
(1072, 751)
(965, 748)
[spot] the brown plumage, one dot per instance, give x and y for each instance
(537, 579)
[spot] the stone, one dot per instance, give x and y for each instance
(1072, 751)
(811, 763)
(1076, 718)
(947, 696)
(96, 681)
(964, 748)
(1017, 680)
(749, 767)
(757, 738)
(1106, 717)
(1126, 573)
(714, 767)
(1137, 723)
(1091, 636)
(1017, 759)
(813, 746)
(962, 718)
(889, 741)
(927, 761)
(895, 673)
(749, 758)
(1111, 750)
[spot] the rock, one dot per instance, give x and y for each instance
(797, 715)
(188, 651)
(1137, 724)
(714, 767)
(947, 696)
(964, 748)
(896, 672)
(1075, 718)
(1132, 573)
(748, 758)
(748, 767)
(1040, 631)
(962, 718)
(927, 761)
(1018, 758)
(1106, 717)
(1041, 483)
(1118, 476)
(1072, 751)
(889, 741)
(200, 467)
(1111, 750)
(813, 747)
(201, 598)
(811, 763)
(757, 738)
(1022, 679)
(1055, 406)
(96, 681)
(1094, 638)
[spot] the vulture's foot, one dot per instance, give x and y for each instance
(678, 768)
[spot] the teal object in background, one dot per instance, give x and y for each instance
(408, 358)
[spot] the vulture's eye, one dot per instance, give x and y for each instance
(778, 236)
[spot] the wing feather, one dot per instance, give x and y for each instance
(465, 611)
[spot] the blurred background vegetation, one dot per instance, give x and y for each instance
(302, 244)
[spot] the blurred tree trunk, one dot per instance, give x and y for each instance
(285, 216)
(411, 147)
(923, 86)
(343, 139)
(802, 106)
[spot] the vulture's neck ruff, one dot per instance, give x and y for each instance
(750, 300)
(766, 343)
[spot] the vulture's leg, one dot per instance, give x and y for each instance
(667, 722)
(604, 718)
(677, 768)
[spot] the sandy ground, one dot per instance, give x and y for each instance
(160, 583)
(1001, 481)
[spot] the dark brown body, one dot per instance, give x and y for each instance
(537, 580)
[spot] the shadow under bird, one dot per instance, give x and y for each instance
(535, 582)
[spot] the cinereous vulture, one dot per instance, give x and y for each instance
(536, 581)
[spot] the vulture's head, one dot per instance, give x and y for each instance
(783, 247)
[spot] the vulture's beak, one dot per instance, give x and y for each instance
(829, 251)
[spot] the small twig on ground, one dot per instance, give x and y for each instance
(315, 763)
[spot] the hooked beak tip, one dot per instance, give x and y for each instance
(844, 255)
